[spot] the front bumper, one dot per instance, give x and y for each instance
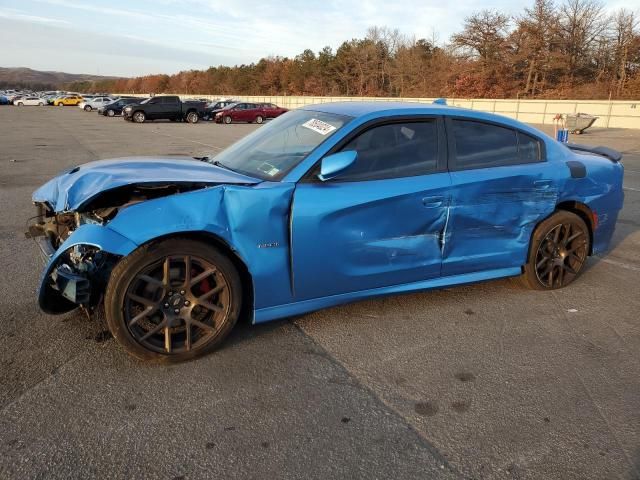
(63, 287)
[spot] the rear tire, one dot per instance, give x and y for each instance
(157, 309)
(557, 253)
(20, 104)
(259, 119)
(87, 108)
(41, 104)
(61, 104)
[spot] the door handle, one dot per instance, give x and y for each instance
(432, 202)
(542, 183)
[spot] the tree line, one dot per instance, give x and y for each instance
(572, 49)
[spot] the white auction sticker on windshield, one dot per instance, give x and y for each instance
(271, 170)
(319, 126)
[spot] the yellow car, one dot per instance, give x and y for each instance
(69, 100)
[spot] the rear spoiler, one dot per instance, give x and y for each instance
(606, 152)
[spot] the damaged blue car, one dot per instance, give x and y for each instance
(325, 205)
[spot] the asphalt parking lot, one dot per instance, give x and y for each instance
(483, 381)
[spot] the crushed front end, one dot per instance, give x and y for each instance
(76, 275)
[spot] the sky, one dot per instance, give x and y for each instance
(139, 37)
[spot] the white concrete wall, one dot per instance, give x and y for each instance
(614, 114)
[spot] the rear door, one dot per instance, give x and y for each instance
(247, 113)
(501, 188)
(380, 222)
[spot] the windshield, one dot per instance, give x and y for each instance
(274, 149)
(145, 101)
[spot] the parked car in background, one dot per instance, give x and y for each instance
(272, 111)
(402, 197)
(248, 112)
(94, 103)
(214, 107)
(67, 100)
(115, 108)
(30, 101)
(4, 100)
(164, 108)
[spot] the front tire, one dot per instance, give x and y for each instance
(61, 104)
(110, 113)
(139, 117)
(173, 300)
(41, 104)
(228, 120)
(259, 119)
(558, 251)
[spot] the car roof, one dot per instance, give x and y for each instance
(358, 109)
(384, 108)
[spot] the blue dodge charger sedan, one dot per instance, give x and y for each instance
(325, 205)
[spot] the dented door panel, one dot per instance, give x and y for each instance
(352, 236)
(493, 213)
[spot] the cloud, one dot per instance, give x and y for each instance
(166, 35)
(12, 14)
(58, 48)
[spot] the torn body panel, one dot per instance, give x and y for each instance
(242, 217)
(75, 187)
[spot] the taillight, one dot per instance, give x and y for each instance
(594, 218)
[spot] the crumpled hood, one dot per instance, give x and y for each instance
(75, 186)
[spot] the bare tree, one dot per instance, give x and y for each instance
(625, 35)
(582, 24)
(484, 34)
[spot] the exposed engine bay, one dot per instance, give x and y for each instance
(57, 227)
(81, 273)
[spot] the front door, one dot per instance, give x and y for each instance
(380, 223)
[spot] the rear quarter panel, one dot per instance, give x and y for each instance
(601, 190)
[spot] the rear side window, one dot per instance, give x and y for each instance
(393, 151)
(529, 148)
(482, 145)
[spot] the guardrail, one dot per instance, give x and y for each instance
(612, 114)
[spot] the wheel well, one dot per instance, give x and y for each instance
(246, 311)
(584, 212)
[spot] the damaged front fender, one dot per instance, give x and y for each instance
(63, 284)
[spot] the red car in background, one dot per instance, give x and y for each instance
(249, 112)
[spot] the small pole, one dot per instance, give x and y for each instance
(609, 112)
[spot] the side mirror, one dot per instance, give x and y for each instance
(332, 165)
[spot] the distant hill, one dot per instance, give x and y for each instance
(28, 78)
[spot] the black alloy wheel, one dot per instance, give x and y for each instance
(561, 255)
(559, 249)
(173, 300)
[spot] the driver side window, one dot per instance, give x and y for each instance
(394, 150)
